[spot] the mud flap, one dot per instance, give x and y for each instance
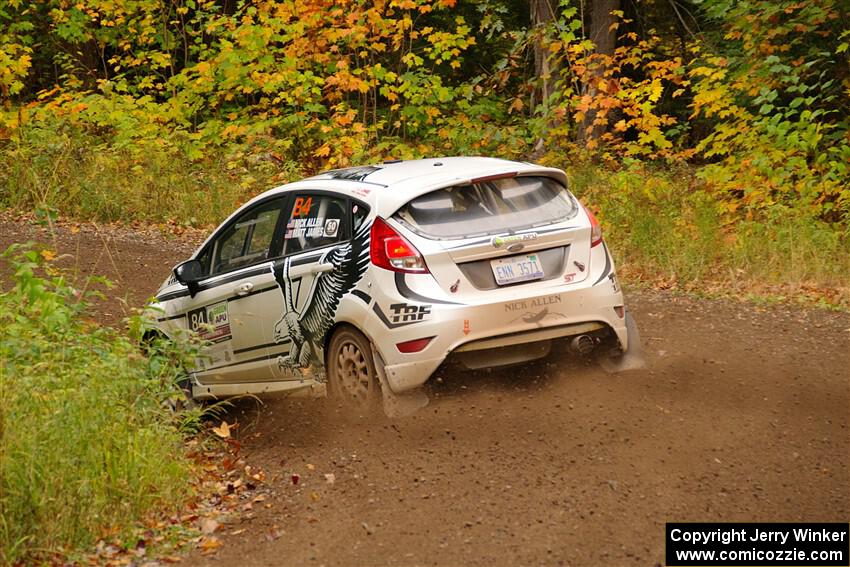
(632, 359)
(397, 405)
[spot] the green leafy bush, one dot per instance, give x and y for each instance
(665, 228)
(87, 446)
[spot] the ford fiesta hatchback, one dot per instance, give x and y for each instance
(369, 278)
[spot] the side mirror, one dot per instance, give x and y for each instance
(189, 273)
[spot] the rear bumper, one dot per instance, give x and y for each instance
(521, 326)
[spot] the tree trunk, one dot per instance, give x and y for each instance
(604, 39)
(542, 15)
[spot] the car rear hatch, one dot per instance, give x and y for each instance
(499, 233)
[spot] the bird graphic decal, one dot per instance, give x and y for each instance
(306, 329)
(539, 317)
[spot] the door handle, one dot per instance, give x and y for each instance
(244, 289)
(322, 268)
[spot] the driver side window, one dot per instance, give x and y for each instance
(248, 240)
(316, 221)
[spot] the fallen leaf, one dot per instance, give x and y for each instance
(210, 544)
(223, 430)
(208, 526)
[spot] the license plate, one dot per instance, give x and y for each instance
(517, 269)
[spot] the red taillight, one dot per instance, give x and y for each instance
(415, 345)
(391, 251)
(595, 229)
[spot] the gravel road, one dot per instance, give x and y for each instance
(742, 415)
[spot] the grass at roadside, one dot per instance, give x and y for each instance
(87, 448)
(668, 232)
(83, 178)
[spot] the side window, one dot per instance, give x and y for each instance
(204, 259)
(315, 221)
(359, 214)
(248, 240)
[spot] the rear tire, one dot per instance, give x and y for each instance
(352, 378)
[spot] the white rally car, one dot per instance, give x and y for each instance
(367, 279)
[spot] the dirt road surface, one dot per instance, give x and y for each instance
(742, 415)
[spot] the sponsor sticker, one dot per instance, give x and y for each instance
(405, 313)
(210, 322)
(331, 227)
(502, 241)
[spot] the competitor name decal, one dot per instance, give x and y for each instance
(526, 304)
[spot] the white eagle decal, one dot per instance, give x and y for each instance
(307, 328)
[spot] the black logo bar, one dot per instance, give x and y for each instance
(764, 545)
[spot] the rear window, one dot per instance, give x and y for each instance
(492, 207)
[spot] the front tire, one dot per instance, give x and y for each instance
(352, 378)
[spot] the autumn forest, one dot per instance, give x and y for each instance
(711, 138)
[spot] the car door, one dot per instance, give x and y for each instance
(311, 278)
(229, 310)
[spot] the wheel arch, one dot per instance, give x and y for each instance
(149, 336)
(341, 324)
(326, 343)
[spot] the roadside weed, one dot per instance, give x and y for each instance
(87, 449)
